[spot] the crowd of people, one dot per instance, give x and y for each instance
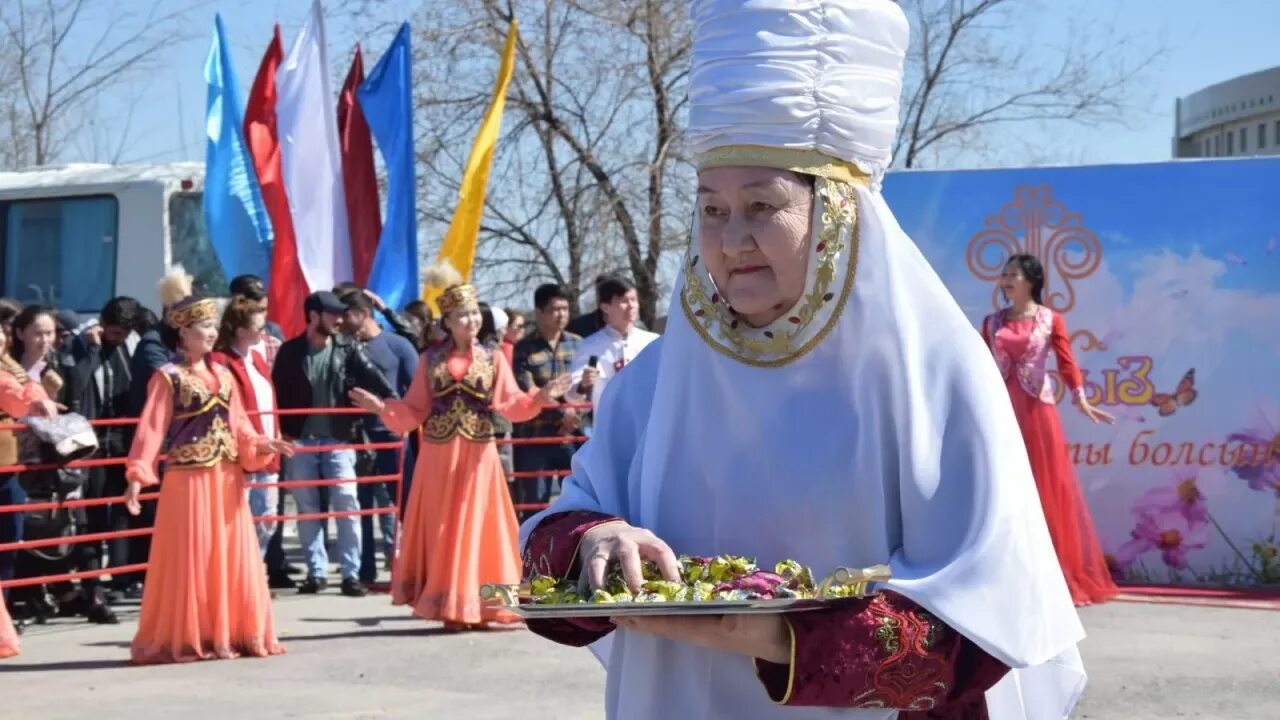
(233, 368)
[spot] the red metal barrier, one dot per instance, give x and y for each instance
(152, 496)
(285, 484)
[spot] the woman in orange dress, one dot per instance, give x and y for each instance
(206, 594)
(19, 397)
(460, 528)
(8, 633)
(1021, 338)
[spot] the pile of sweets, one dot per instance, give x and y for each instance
(720, 578)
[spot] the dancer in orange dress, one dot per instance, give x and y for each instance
(1021, 338)
(460, 527)
(8, 633)
(206, 594)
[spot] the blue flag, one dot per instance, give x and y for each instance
(235, 218)
(387, 101)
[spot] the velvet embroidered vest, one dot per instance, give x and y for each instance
(200, 431)
(1030, 368)
(460, 407)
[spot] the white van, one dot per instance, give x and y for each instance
(75, 236)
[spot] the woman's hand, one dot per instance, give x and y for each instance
(131, 502)
(766, 637)
(52, 383)
(366, 400)
(45, 408)
(275, 446)
(1094, 414)
(551, 393)
(618, 542)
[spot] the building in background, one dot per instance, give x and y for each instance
(1236, 118)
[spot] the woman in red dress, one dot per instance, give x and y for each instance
(1021, 337)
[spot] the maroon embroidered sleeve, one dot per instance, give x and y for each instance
(552, 549)
(883, 652)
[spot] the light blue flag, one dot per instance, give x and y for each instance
(235, 218)
(386, 97)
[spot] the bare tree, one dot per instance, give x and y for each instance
(590, 173)
(586, 177)
(971, 70)
(58, 65)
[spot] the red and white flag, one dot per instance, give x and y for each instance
(311, 158)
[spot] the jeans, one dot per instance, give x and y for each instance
(11, 493)
(328, 465)
(380, 495)
(263, 501)
(537, 458)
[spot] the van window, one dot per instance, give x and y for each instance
(60, 251)
(190, 246)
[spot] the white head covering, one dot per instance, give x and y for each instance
(867, 425)
(500, 319)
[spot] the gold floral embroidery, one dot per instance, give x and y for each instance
(462, 418)
(888, 633)
(191, 390)
(193, 399)
(213, 447)
(835, 259)
(458, 420)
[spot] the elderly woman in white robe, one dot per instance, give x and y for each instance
(818, 395)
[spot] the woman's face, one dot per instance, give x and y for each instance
(464, 323)
(4, 339)
(39, 336)
(753, 234)
(198, 339)
(1014, 285)
(252, 335)
(515, 328)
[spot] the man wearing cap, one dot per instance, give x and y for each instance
(315, 371)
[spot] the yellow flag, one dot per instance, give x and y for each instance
(459, 248)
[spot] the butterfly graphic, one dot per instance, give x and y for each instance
(1186, 394)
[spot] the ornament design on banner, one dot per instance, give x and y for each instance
(1036, 223)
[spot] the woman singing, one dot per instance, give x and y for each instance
(206, 594)
(460, 529)
(1021, 338)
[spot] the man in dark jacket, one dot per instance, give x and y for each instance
(108, 382)
(315, 371)
(398, 324)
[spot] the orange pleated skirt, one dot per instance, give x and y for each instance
(206, 593)
(8, 635)
(459, 533)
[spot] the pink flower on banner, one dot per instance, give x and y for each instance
(1183, 497)
(1168, 531)
(1259, 459)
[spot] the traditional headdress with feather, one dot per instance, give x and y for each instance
(456, 292)
(184, 308)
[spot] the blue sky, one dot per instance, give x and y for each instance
(1207, 43)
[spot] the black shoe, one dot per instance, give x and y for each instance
(353, 588)
(312, 586)
(280, 581)
(100, 614)
(134, 591)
